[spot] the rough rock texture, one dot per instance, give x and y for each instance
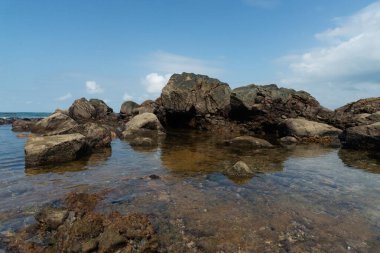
(248, 142)
(23, 125)
(101, 108)
(127, 108)
(54, 149)
(146, 122)
(288, 140)
(7, 121)
(75, 227)
(56, 123)
(264, 106)
(146, 106)
(240, 169)
(96, 135)
(362, 137)
(357, 113)
(189, 95)
(305, 128)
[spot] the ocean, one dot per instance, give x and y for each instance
(21, 115)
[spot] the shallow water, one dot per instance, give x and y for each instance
(304, 199)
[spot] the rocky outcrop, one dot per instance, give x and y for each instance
(362, 112)
(188, 95)
(127, 108)
(23, 125)
(141, 124)
(96, 135)
(54, 149)
(239, 170)
(84, 110)
(248, 142)
(264, 106)
(362, 137)
(56, 123)
(303, 128)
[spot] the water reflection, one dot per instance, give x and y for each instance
(365, 160)
(95, 159)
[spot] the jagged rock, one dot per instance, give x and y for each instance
(249, 142)
(305, 128)
(96, 135)
(240, 169)
(357, 113)
(101, 108)
(195, 94)
(127, 108)
(82, 109)
(54, 124)
(267, 105)
(54, 149)
(362, 137)
(146, 106)
(142, 123)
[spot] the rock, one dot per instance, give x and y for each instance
(267, 105)
(288, 140)
(142, 123)
(127, 108)
(195, 94)
(23, 125)
(362, 137)
(56, 123)
(96, 135)
(146, 106)
(142, 141)
(305, 128)
(7, 121)
(249, 142)
(52, 218)
(374, 117)
(240, 169)
(352, 114)
(54, 149)
(82, 109)
(101, 108)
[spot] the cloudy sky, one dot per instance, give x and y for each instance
(52, 52)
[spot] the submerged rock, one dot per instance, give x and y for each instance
(248, 142)
(54, 149)
(362, 137)
(240, 169)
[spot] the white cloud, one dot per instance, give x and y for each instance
(267, 4)
(154, 82)
(173, 63)
(93, 88)
(127, 97)
(347, 65)
(65, 97)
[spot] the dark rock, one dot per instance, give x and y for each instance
(82, 109)
(265, 106)
(146, 106)
(96, 135)
(249, 142)
(357, 113)
(362, 137)
(52, 218)
(54, 149)
(288, 140)
(127, 108)
(23, 125)
(56, 123)
(101, 108)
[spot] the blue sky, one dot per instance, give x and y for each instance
(52, 52)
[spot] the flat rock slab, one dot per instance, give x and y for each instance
(54, 149)
(249, 142)
(305, 128)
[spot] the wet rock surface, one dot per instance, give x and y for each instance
(55, 123)
(248, 142)
(76, 227)
(142, 124)
(362, 137)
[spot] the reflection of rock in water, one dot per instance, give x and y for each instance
(360, 159)
(92, 160)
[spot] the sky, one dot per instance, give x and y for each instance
(53, 52)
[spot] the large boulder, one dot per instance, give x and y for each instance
(101, 108)
(56, 123)
(54, 149)
(362, 137)
(145, 124)
(361, 112)
(23, 125)
(195, 94)
(84, 110)
(96, 135)
(127, 108)
(305, 128)
(267, 105)
(248, 142)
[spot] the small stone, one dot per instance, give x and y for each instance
(240, 169)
